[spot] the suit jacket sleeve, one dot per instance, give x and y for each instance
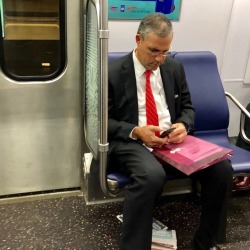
(122, 101)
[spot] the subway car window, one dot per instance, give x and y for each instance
(92, 80)
(33, 39)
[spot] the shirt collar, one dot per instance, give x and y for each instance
(139, 68)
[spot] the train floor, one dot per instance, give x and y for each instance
(68, 223)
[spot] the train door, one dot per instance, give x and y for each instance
(40, 96)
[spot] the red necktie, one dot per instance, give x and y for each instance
(151, 111)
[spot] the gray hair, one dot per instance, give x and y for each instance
(156, 23)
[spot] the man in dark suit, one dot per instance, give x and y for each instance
(131, 137)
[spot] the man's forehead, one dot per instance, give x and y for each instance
(154, 36)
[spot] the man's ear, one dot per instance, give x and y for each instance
(138, 38)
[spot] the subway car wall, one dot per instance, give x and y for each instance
(41, 129)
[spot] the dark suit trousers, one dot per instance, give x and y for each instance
(147, 178)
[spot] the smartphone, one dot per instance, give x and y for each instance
(166, 132)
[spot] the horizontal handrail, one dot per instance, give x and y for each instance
(238, 104)
(244, 114)
(242, 129)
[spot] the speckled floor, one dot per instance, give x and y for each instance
(67, 223)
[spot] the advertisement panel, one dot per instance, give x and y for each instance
(138, 9)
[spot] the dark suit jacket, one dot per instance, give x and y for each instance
(123, 103)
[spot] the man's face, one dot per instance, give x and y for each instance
(151, 51)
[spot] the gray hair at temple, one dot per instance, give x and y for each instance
(157, 23)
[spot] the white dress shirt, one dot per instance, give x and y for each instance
(158, 92)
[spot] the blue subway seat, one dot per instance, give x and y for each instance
(212, 111)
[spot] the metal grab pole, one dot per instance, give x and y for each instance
(103, 142)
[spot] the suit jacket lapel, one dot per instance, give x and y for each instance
(168, 84)
(128, 75)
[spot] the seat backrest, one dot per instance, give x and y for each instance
(209, 100)
(207, 93)
(115, 55)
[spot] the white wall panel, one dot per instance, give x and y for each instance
(203, 25)
(237, 43)
(247, 73)
(235, 60)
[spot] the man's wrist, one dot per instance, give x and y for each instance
(132, 134)
(186, 127)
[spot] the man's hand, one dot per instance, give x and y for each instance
(178, 135)
(147, 135)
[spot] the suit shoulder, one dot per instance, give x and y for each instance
(120, 62)
(172, 61)
(172, 65)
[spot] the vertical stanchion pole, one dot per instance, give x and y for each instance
(103, 143)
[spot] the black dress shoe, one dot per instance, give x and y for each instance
(197, 245)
